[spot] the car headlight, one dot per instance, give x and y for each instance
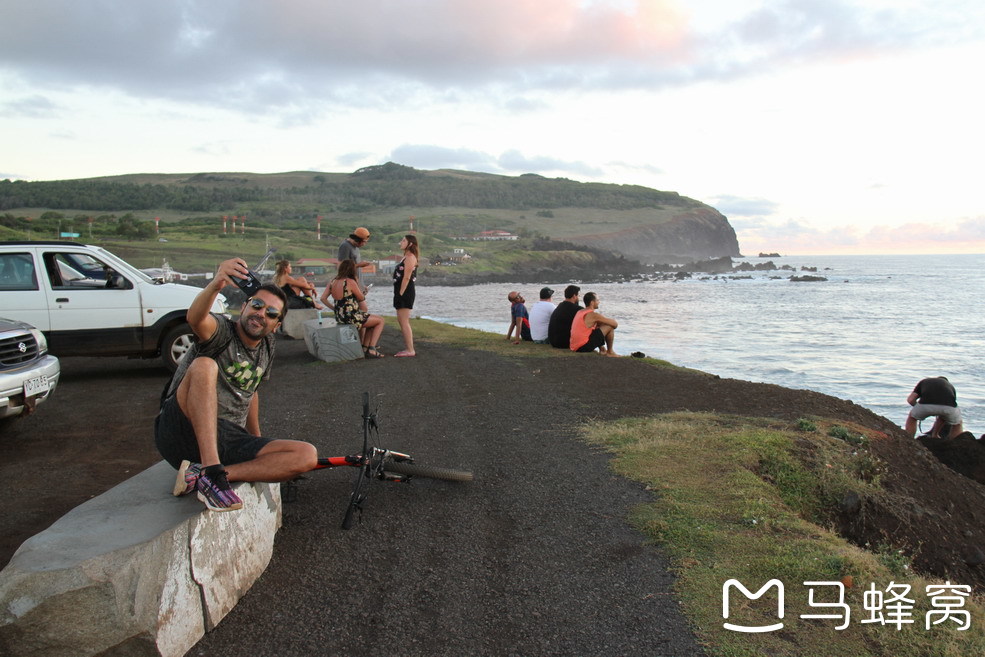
(42, 342)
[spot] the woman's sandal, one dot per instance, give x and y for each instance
(371, 352)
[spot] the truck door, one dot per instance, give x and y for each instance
(94, 310)
(21, 295)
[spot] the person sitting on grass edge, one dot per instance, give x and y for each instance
(592, 330)
(519, 318)
(208, 426)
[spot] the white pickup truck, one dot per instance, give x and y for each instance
(88, 302)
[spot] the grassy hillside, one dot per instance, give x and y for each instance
(383, 195)
(282, 209)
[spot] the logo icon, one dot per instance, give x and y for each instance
(734, 583)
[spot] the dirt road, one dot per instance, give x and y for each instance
(532, 558)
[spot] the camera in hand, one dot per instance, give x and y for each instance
(250, 285)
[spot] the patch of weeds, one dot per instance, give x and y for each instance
(868, 468)
(803, 424)
(796, 486)
(894, 559)
(850, 437)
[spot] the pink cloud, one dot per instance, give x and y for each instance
(963, 236)
(493, 32)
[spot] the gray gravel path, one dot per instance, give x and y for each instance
(534, 557)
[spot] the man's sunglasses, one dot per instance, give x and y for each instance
(260, 304)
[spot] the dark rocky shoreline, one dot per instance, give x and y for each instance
(613, 270)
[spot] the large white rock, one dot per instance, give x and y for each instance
(293, 324)
(135, 571)
(332, 342)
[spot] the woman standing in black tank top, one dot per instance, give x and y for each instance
(403, 292)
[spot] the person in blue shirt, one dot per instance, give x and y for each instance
(519, 319)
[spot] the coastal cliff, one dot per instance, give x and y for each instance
(691, 234)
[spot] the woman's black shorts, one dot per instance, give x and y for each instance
(405, 300)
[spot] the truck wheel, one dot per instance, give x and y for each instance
(176, 343)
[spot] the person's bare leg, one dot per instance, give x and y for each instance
(956, 430)
(375, 331)
(911, 426)
(280, 460)
(610, 337)
(403, 318)
(197, 399)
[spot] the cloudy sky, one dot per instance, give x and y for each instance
(815, 126)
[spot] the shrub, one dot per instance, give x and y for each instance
(841, 433)
(803, 424)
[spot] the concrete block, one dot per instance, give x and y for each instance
(332, 342)
(135, 571)
(293, 324)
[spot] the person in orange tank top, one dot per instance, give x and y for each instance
(592, 330)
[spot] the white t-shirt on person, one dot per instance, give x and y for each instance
(540, 318)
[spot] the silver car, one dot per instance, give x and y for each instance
(28, 375)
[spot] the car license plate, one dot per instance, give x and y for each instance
(36, 386)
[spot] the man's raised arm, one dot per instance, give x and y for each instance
(199, 317)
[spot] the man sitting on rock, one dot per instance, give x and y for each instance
(935, 396)
(210, 411)
(592, 330)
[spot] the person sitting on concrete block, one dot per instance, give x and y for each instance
(349, 303)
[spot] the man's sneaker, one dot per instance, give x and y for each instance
(214, 491)
(188, 474)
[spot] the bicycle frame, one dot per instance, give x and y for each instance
(379, 463)
(376, 461)
(370, 461)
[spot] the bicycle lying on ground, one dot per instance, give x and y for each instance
(383, 464)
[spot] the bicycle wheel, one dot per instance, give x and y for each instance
(416, 470)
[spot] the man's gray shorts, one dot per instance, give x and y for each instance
(951, 414)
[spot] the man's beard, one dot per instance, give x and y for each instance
(252, 328)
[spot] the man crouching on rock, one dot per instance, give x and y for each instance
(209, 423)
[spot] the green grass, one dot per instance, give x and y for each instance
(192, 249)
(465, 338)
(742, 498)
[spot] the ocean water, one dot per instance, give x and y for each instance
(869, 333)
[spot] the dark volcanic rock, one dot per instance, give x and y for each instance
(964, 454)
